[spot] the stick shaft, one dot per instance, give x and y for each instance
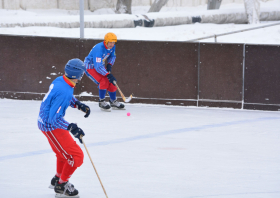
(123, 97)
(94, 168)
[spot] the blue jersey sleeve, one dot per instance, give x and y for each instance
(72, 102)
(111, 59)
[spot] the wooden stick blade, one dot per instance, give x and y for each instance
(128, 99)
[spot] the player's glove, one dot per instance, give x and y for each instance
(76, 131)
(83, 108)
(109, 68)
(111, 78)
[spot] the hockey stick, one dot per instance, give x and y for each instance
(93, 166)
(123, 97)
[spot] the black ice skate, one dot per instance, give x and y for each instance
(104, 105)
(65, 190)
(53, 182)
(116, 105)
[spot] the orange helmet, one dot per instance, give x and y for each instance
(110, 37)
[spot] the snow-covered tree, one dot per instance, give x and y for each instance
(252, 8)
(157, 5)
(123, 7)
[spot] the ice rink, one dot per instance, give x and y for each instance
(157, 152)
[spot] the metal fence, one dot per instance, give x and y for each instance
(215, 36)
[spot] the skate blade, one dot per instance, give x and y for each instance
(51, 187)
(116, 108)
(58, 195)
(107, 110)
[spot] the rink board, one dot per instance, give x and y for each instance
(171, 73)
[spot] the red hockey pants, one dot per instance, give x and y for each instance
(102, 80)
(69, 155)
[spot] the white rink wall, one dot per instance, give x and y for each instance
(94, 4)
(36, 4)
(42, 4)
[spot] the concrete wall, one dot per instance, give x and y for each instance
(71, 4)
(43, 4)
(11, 4)
(38, 4)
(97, 4)
(94, 4)
(141, 2)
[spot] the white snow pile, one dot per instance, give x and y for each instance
(224, 16)
(185, 32)
(97, 21)
(230, 13)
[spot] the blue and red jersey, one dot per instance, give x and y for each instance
(97, 57)
(56, 101)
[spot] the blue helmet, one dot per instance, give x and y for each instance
(75, 69)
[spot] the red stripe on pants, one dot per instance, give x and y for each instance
(69, 155)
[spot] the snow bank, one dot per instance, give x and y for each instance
(99, 21)
(128, 21)
(237, 16)
(106, 18)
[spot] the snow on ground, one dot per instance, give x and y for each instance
(270, 35)
(157, 152)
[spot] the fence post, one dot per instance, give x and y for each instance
(81, 19)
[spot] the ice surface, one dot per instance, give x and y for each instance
(156, 152)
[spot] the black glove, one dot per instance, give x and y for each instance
(109, 68)
(111, 78)
(76, 131)
(83, 108)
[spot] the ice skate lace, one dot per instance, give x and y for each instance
(116, 103)
(103, 103)
(69, 187)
